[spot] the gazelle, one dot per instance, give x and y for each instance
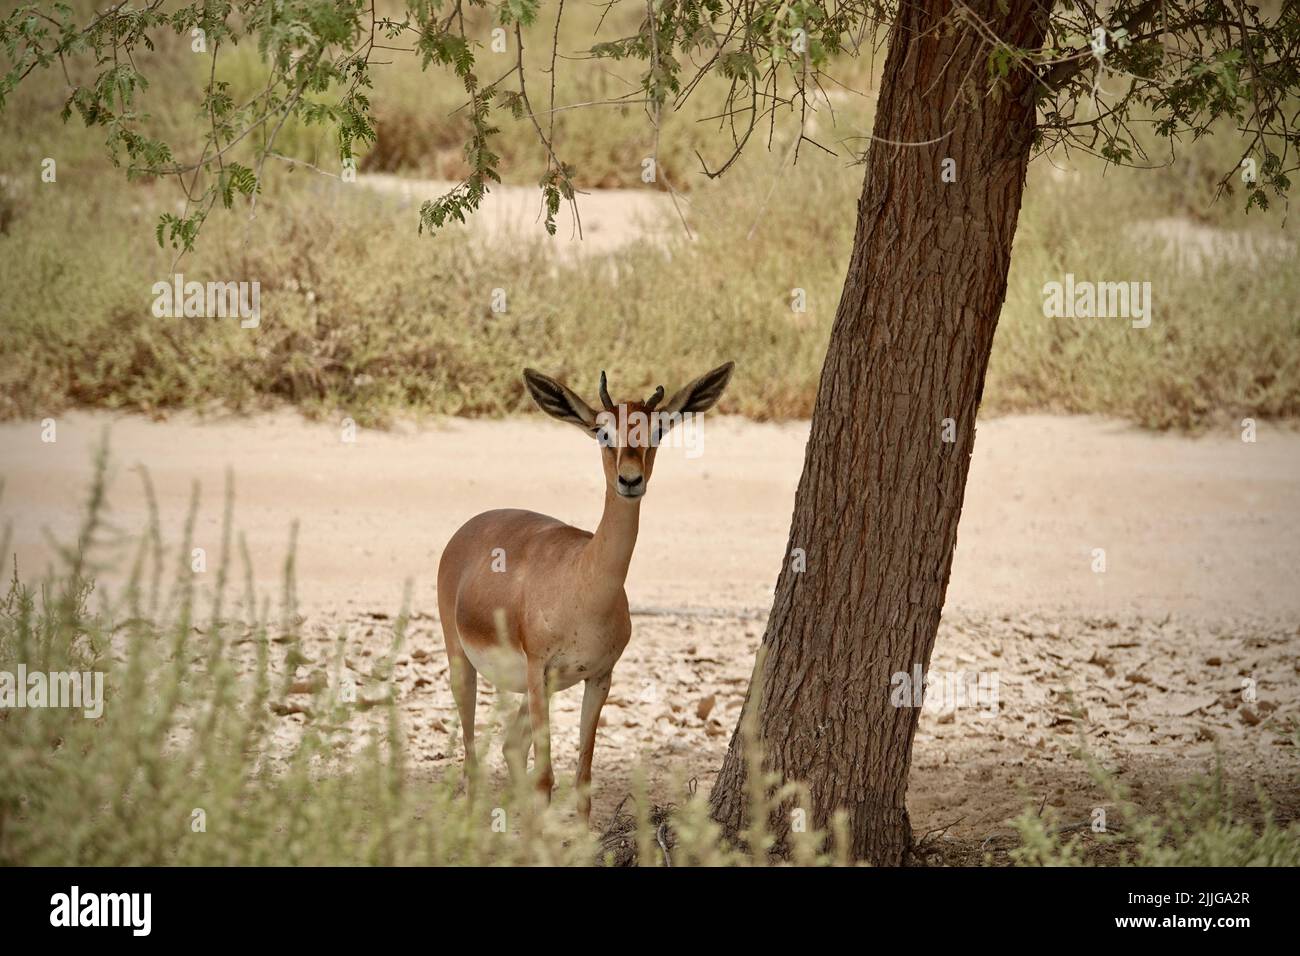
(536, 605)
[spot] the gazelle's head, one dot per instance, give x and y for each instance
(628, 432)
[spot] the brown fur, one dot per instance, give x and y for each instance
(536, 605)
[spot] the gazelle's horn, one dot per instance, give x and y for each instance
(654, 399)
(604, 393)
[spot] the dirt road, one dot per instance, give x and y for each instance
(1207, 527)
(1201, 540)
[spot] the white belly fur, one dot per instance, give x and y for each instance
(507, 668)
(503, 667)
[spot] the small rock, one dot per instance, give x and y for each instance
(310, 684)
(371, 699)
(285, 708)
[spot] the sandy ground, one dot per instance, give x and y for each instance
(607, 219)
(1146, 661)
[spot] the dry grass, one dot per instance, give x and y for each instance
(366, 318)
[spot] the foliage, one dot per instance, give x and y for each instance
(1182, 67)
(1185, 64)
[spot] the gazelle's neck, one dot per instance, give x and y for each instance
(609, 552)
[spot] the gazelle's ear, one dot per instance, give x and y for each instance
(560, 402)
(701, 394)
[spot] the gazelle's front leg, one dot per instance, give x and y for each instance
(594, 692)
(539, 713)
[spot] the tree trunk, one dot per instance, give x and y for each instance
(881, 492)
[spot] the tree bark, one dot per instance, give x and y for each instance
(881, 491)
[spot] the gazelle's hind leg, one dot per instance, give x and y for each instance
(539, 716)
(518, 741)
(464, 687)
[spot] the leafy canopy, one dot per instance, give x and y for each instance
(1181, 65)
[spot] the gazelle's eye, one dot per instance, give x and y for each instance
(603, 436)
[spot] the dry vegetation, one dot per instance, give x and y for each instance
(230, 735)
(365, 316)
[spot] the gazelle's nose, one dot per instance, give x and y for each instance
(631, 487)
